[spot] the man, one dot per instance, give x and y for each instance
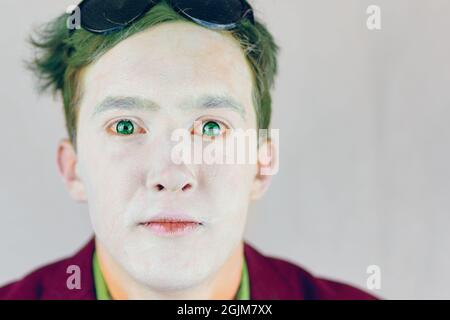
(131, 76)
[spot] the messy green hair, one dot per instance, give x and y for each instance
(61, 56)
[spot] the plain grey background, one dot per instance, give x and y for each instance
(364, 123)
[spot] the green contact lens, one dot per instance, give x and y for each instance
(125, 127)
(211, 128)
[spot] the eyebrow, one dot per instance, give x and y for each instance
(207, 101)
(124, 103)
(210, 101)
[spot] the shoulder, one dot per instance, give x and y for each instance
(276, 278)
(50, 281)
(31, 285)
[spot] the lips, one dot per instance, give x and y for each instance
(172, 224)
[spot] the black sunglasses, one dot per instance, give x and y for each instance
(106, 16)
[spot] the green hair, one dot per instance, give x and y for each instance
(62, 54)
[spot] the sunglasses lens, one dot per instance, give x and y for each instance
(221, 12)
(109, 15)
(125, 11)
(91, 14)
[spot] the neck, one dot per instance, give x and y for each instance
(221, 286)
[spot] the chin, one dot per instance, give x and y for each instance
(169, 275)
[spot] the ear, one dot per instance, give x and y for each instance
(267, 167)
(67, 167)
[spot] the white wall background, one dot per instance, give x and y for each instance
(364, 123)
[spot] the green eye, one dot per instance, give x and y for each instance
(125, 127)
(211, 129)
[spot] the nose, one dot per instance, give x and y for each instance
(176, 178)
(165, 175)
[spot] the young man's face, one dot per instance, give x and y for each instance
(128, 179)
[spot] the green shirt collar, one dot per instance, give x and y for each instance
(102, 292)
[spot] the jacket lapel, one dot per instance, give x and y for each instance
(271, 278)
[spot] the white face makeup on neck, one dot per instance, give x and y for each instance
(157, 79)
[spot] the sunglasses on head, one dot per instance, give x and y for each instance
(106, 16)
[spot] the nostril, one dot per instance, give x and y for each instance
(160, 187)
(187, 187)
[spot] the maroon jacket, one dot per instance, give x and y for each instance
(270, 278)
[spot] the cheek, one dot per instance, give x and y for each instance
(112, 179)
(229, 184)
(228, 196)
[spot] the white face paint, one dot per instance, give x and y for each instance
(170, 64)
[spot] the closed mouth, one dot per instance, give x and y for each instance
(172, 224)
(170, 220)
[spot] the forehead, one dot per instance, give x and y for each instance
(170, 63)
